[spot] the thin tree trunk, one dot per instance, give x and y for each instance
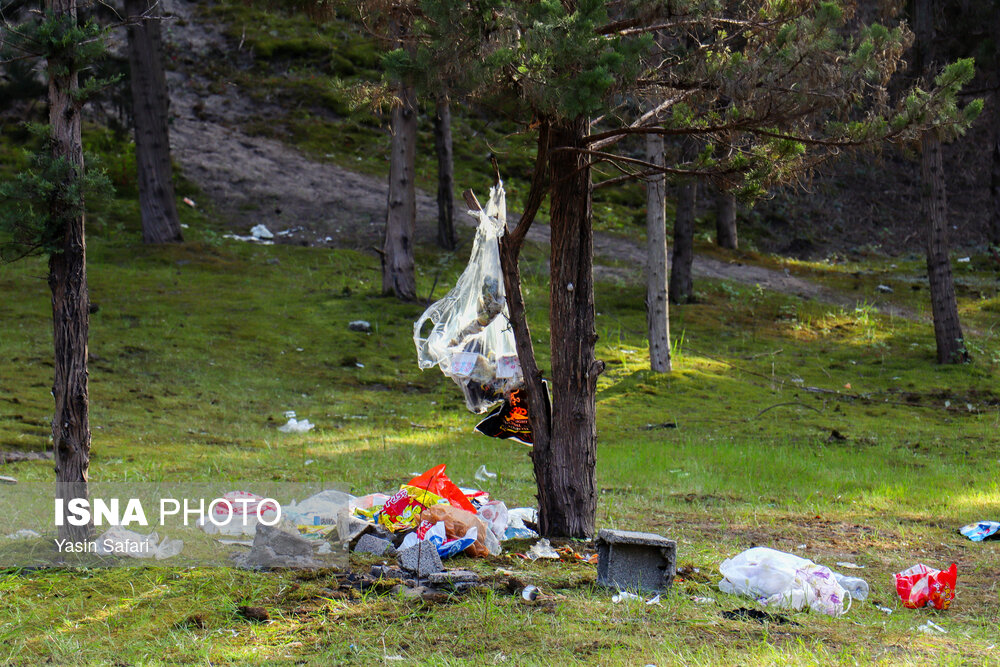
(565, 470)
(934, 208)
(68, 283)
(995, 183)
(947, 328)
(725, 221)
(446, 173)
(510, 248)
(657, 307)
(150, 102)
(398, 275)
(681, 282)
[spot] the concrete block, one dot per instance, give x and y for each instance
(628, 560)
(422, 559)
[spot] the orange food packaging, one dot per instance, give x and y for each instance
(457, 523)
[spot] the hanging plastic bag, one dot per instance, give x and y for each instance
(783, 580)
(512, 420)
(470, 338)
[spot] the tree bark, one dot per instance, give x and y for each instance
(681, 282)
(657, 307)
(934, 208)
(398, 274)
(510, 247)
(565, 470)
(446, 174)
(150, 102)
(68, 284)
(725, 221)
(947, 328)
(995, 183)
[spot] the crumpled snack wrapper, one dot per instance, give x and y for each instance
(922, 586)
(402, 510)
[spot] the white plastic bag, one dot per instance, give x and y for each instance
(320, 509)
(469, 335)
(783, 580)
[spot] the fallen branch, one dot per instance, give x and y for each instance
(778, 405)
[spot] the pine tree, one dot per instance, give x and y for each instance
(764, 89)
(45, 215)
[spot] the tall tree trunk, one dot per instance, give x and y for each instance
(565, 469)
(995, 182)
(947, 328)
(150, 102)
(398, 275)
(725, 220)
(68, 283)
(934, 208)
(681, 283)
(657, 307)
(446, 173)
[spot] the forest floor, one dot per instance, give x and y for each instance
(814, 429)
(805, 412)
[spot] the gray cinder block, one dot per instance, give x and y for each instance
(628, 560)
(422, 559)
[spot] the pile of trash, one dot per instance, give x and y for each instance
(432, 509)
(786, 581)
(429, 515)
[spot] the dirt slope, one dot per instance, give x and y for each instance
(253, 180)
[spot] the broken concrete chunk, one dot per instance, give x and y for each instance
(350, 528)
(453, 577)
(276, 548)
(375, 545)
(422, 559)
(629, 560)
(389, 572)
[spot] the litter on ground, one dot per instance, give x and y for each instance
(786, 581)
(983, 530)
(922, 586)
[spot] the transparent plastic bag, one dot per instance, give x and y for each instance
(785, 581)
(467, 333)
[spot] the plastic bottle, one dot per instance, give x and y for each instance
(858, 588)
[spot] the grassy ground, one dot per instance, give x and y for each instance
(198, 349)
(823, 431)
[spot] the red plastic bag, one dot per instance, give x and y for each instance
(435, 481)
(922, 586)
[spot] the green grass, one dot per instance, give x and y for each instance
(198, 349)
